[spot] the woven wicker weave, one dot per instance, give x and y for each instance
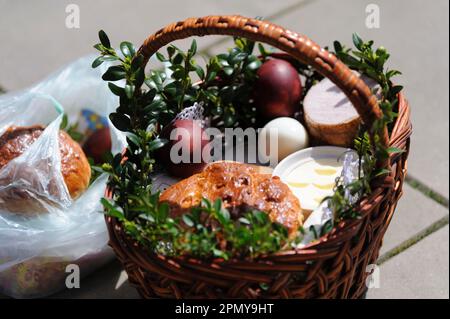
(333, 267)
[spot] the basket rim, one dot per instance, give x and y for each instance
(401, 132)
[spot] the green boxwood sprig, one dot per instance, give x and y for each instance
(370, 62)
(208, 231)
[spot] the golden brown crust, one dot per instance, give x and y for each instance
(241, 187)
(75, 167)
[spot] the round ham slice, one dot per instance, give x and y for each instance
(329, 115)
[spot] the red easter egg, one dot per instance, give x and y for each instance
(278, 89)
(98, 144)
(185, 137)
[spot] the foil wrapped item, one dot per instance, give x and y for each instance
(194, 112)
(350, 173)
(322, 216)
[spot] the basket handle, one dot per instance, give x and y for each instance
(299, 46)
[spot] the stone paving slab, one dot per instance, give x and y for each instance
(422, 271)
(35, 40)
(413, 214)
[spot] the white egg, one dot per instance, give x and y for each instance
(281, 137)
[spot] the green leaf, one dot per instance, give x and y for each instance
(244, 221)
(163, 211)
(228, 70)
(381, 172)
(154, 106)
(192, 65)
(171, 50)
(178, 59)
(108, 57)
(193, 49)
(114, 73)
(262, 50)
(99, 47)
(172, 88)
(148, 217)
(229, 120)
(337, 46)
(129, 90)
(220, 254)
(357, 41)
(239, 42)
(156, 144)
(127, 49)
(350, 61)
(187, 220)
(223, 216)
(392, 73)
(111, 210)
(254, 65)
(64, 122)
(217, 204)
(76, 136)
(211, 76)
(160, 57)
(260, 217)
(396, 89)
(116, 161)
(206, 203)
(395, 150)
(116, 90)
(239, 58)
(97, 62)
(149, 96)
(139, 77)
(120, 121)
(156, 78)
(104, 39)
(200, 72)
(132, 138)
(178, 74)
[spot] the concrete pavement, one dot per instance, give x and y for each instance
(35, 42)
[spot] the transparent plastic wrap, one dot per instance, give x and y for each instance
(36, 246)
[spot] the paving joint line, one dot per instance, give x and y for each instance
(437, 225)
(410, 180)
(444, 221)
(427, 191)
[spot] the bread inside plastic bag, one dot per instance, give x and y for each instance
(36, 248)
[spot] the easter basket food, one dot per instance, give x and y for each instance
(232, 230)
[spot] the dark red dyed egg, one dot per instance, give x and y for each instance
(98, 144)
(278, 89)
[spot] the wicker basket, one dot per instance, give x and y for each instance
(334, 266)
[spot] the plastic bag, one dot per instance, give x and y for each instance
(35, 249)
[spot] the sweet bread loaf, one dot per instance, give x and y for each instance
(75, 169)
(240, 187)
